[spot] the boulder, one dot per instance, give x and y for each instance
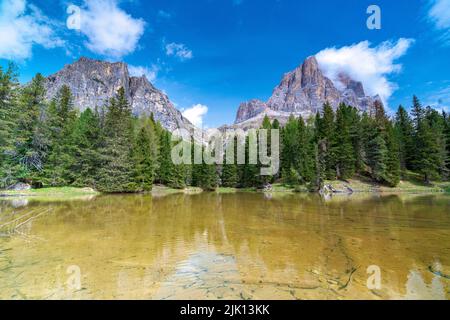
(20, 187)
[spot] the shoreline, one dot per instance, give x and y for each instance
(356, 186)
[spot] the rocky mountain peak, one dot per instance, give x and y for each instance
(94, 82)
(302, 92)
(350, 84)
(311, 74)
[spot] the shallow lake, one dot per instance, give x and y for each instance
(226, 246)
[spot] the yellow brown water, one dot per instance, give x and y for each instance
(230, 246)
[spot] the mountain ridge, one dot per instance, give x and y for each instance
(302, 92)
(94, 82)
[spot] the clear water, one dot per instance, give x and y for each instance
(230, 246)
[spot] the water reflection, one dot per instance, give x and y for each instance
(231, 246)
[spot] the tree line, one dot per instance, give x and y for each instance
(49, 143)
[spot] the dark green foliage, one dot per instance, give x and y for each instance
(170, 174)
(276, 124)
(60, 119)
(405, 134)
(429, 142)
(165, 160)
(204, 175)
(376, 152)
(266, 125)
(116, 173)
(393, 164)
(318, 180)
(30, 139)
(344, 148)
(86, 140)
(381, 147)
(230, 173)
(290, 152)
(207, 178)
(230, 177)
(8, 114)
(325, 127)
(306, 161)
(248, 173)
(145, 155)
(447, 138)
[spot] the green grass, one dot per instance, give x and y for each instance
(163, 190)
(224, 190)
(280, 187)
(412, 184)
(51, 194)
(62, 191)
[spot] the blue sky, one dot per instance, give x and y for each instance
(214, 54)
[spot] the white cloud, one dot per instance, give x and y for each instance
(21, 27)
(370, 65)
(150, 73)
(439, 15)
(164, 14)
(195, 114)
(179, 50)
(110, 31)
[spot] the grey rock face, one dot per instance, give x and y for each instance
(250, 109)
(303, 92)
(94, 82)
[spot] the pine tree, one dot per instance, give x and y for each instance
(208, 177)
(31, 142)
(381, 147)
(306, 153)
(325, 127)
(116, 173)
(276, 124)
(266, 125)
(436, 123)
(426, 160)
(86, 141)
(343, 148)
(59, 124)
(145, 153)
(230, 178)
(418, 112)
(393, 164)
(290, 153)
(447, 138)
(179, 176)
(376, 154)
(318, 180)
(204, 175)
(249, 173)
(8, 111)
(230, 174)
(404, 130)
(165, 170)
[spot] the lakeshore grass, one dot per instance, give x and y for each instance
(42, 192)
(413, 184)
